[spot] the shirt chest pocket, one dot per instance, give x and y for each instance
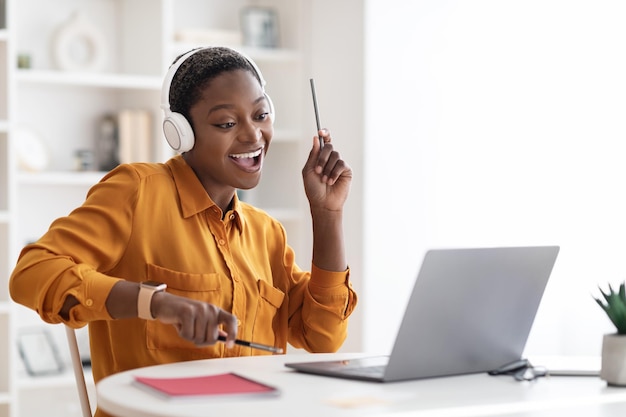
(204, 287)
(268, 321)
(210, 288)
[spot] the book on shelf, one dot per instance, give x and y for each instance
(135, 135)
(197, 387)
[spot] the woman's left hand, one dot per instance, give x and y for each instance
(326, 176)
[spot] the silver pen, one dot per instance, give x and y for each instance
(317, 113)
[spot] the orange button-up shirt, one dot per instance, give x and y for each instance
(156, 222)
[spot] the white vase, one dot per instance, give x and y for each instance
(78, 45)
(613, 369)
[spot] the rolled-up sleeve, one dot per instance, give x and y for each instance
(96, 235)
(37, 284)
(320, 325)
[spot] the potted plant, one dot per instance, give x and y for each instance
(613, 369)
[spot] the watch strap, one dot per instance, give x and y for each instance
(144, 300)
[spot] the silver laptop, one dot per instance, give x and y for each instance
(471, 311)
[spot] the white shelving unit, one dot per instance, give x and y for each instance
(7, 216)
(55, 394)
(64, 108)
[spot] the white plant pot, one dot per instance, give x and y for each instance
(613, 369)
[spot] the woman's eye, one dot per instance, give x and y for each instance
(263, 116)
(225, 125)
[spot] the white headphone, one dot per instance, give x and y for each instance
(176, 127)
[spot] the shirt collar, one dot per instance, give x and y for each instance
(237, 212)
(192, 195)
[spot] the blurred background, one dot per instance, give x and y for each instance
(467, 123)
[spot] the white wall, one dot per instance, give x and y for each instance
(496, 122)
(335, 37)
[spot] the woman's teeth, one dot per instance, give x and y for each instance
(248, 154)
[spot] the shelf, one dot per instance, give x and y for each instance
(100, 80)
(5, 398)
(60, 178)
(5, 307)
(271, 55)
(257, 54)
(4, 35)
(64, 379)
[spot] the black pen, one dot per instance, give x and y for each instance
(253, 345)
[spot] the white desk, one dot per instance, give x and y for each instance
(309, 395)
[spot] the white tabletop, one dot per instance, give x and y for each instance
(309, 395)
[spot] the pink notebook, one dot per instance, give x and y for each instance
(202, 386)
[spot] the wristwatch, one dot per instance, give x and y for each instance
(146, 290)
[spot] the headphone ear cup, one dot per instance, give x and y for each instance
(272, 109)
(178, 132)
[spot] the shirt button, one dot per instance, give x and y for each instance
(89, 302)
(222, 242)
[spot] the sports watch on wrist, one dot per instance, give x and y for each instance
(147, 289)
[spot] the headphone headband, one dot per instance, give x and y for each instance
(169, 76)
(173, 69)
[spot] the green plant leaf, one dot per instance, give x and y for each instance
(614, 305)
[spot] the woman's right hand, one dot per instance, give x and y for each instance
(196, 321)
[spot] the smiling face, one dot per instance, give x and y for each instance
(233, 130)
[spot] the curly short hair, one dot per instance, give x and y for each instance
(198, 70)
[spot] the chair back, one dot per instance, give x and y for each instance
(79, 375)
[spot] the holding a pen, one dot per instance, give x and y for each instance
(163, 258)
(253, 345)
(317, 112)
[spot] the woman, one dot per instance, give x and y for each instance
(162, 259)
